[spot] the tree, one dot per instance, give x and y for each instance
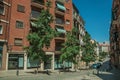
(71, 47)
(40, 35)
(102, 55)
(88, 50)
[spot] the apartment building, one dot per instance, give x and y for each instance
(115, 34)
(104, 47)
(78, 23)
(16, 20)
(5, 8)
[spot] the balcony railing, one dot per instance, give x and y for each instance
(58, 48)
(39, 1)
(35, 14)
(1, 0)
(61, 1)
(60, 12)
(59, 21)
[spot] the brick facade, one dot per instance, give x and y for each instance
(115, 34)
(17, 22)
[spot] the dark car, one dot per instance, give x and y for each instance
(96, 65)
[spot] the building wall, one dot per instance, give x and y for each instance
(13, 54)
(19, 16)
(114, 34)
(4, 22)
(104, 47)
(19, 33)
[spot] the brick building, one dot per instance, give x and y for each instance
(5, 8)
(115, 34)
(16, 18)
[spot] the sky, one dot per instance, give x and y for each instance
(97, 17)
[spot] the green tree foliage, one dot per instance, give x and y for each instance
(88, 50)
(102, 55)
(71, 47)
(40, 35)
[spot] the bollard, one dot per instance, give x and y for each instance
(17, 72)
(98, 72)
(47, 72)
(35, 71)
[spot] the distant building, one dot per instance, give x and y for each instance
(104, 47)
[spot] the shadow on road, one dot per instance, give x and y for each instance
(108, 72)
(40, 72)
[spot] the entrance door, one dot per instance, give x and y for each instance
(47, 63)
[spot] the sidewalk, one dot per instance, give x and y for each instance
(79, 75)
(14, 73)
(27, 75)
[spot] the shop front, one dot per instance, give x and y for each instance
(15, 61)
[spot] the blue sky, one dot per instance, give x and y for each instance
(97, 17)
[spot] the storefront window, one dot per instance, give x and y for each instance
(0, 58)
(16, 61)
(59, 65)
(1, 50)
(32, 63)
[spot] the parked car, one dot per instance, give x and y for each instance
(96, 65)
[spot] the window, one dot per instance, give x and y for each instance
(1, 8)
(1, 29)
(19, 24)
(18, 41)
(20, 8)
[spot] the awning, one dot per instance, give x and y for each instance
(33, 24)
(59, 6)
(61, 30)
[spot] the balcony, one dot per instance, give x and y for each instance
(60, 12)
(38, 3)
(61, 1)
(35, 14)
(60, 29)
(61, 32)
(116, 8)
(1, 1)
(58, 48)
(60, 9)
(58, 44)
(2, 8)
(59, 22)
(60, 37)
